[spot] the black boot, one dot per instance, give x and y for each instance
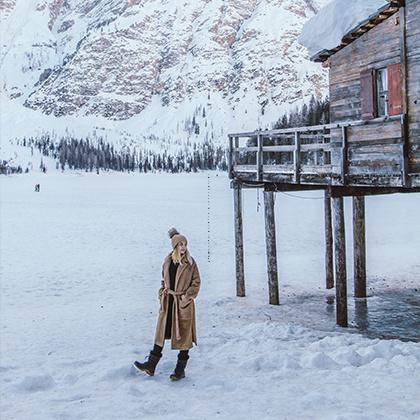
(149, 366)
(179, 371)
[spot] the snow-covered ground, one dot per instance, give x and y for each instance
(80, 268)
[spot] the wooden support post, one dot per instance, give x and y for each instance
(344, 164)
(230, 158)
(405, 103)
(270, 240)
(340, 261)
(260, 157)
(405, 179)
(325, 156)
(403, 59)
(239, 241)
(296, 158)
(329, 266)
(235, 152)
(359, 247)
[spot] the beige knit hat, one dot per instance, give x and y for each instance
(176, 237)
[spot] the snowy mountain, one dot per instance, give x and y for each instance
(168, 69)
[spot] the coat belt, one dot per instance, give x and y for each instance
(176, 295)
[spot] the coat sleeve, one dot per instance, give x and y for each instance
(194, 288)
(162, 285)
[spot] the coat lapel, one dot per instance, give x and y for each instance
(166, 270)
(179, 272)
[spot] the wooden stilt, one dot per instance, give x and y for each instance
(329, 270)
(340, 261)
(359, 247)
(270, 240)
(361, 314)
(239, 241)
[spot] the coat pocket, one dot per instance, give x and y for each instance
(186, 312)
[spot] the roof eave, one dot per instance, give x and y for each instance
(373, 20)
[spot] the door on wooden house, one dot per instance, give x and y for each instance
(381, 92)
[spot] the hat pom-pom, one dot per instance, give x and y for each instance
(172, 232)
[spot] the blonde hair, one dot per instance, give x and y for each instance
(178, 259)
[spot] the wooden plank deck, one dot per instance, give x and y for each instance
(352, 154)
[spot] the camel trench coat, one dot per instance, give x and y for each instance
(187, 286)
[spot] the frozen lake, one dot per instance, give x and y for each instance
(80, 268)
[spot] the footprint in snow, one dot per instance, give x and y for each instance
(70, 379)
(319, 360)
(224, 301)
(135, 391)
(79, 363)
(4, 369)
(289, 363)
(219, 384)
(348, 357)
(36, 383)
(123, 372)
(79, 397)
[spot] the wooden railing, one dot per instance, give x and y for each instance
(327, 154)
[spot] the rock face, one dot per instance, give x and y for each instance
(120, 58)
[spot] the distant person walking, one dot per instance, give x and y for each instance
(176, 321)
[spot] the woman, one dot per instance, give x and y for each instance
(176, 321)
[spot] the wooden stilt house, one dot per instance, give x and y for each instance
(371, 145)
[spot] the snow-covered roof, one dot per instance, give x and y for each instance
(340, 22)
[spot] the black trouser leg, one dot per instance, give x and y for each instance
(157, 350)
(183, 355)
(179, 371)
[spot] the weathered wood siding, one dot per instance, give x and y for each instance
(375, 49)
(413, 84)
(374, 149)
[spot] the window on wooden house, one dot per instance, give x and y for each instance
(381, 93)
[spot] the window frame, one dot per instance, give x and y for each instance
(382, 91)
(370, 90)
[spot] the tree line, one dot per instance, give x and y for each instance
(316, 112)
(84, 154)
